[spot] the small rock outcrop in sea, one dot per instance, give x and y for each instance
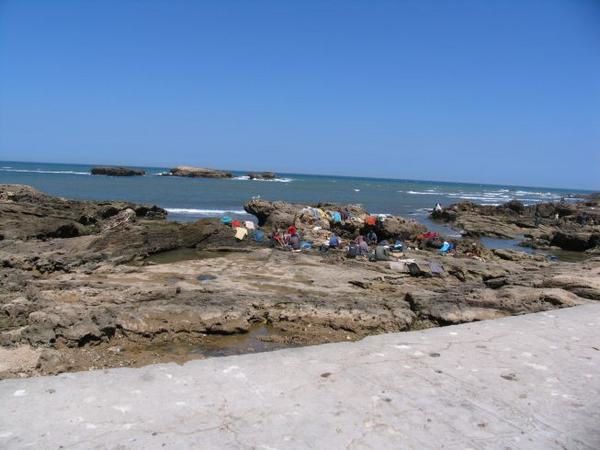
(262, 175)
(569, 226)
(117, 171)
(198, 172)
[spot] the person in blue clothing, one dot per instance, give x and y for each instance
(334, 241)
(372, 238)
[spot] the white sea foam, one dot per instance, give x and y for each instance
(492, 197)
(67, 172)
(275, 180)
(539, 194)
(423, 193)
(476, 197)
(204, 212)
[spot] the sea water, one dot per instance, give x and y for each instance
(192, 198)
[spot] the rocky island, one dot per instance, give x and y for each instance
(262, 175)
(198, 172)
(88, 284)
(117, 171)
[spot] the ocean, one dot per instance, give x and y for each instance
(191, 198)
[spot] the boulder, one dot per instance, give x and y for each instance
(27, 213)
(575, 241)
(198, 172)
(117, 171)
(273, 214)
(398, 228)
(281, 215)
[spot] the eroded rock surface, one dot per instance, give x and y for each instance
(72, 303)
(569, 226)
(27, 213)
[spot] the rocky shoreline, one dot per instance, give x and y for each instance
(80, 289)
(568, 226)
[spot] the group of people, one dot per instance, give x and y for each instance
(361, 243)
(290, 239)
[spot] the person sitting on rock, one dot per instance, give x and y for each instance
(345, 214)
(334, 241)
(372, 237)
(294, 242)
(382, 253)
(363, 247)
(277, 239)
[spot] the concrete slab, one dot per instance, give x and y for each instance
(522, 382)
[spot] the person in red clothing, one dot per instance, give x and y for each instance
(292, 230)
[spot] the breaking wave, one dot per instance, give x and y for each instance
(492, 197)
(203, 212)
(65, 172)
(275, 180)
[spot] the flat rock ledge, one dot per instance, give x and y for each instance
(521, 382)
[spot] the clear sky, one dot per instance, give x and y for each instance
(483, 91)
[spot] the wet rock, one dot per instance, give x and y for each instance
(495, 283)
(513, 255)
(206, 277)
(229, 326)
(575, 241)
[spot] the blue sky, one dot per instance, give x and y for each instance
(480, 91)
